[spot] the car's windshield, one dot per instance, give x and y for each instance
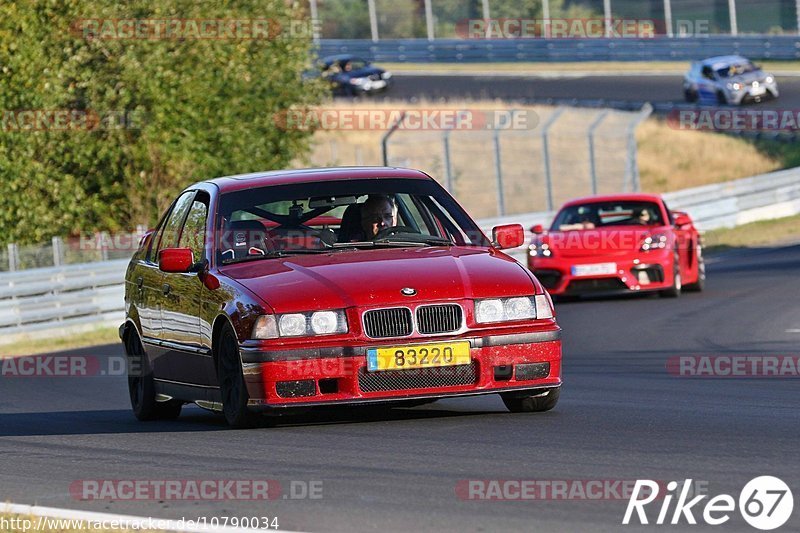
(327, 216)
(603, 214)
(736, 69)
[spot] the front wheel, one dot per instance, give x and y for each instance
(231, 383)
(531, 404)
(141, 385)
(677, 283)
(700, 284)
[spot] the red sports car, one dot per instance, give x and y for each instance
(264, 292)
(618, 243)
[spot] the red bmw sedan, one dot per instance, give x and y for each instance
(616, 244)
(264, 292)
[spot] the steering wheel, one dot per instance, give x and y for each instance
(394, 230)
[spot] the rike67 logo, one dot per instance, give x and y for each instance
(765, 503)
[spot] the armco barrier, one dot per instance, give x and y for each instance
(776, 47)
(56, 299)
(61, 298)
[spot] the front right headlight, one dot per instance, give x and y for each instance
(512, 309)
(300, 324)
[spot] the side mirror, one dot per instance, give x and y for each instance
(508, 236)
(537, 229)
(681, 219)
(175, 260)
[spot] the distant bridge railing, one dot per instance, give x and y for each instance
(759, 47)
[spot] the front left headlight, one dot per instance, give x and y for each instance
(300, 324)
(769, 79)
(512, 309)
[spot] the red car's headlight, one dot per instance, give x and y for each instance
(656, 241)
(540, 249)
(300, 324)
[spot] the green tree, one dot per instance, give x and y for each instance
(190, 109)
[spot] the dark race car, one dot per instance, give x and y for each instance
(350, 75)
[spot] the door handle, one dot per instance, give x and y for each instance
(139, 282)
(165, 288)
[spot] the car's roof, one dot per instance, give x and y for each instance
(306, 175)
(629, 197)
(720, 61)
(339, 57)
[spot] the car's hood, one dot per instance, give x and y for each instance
(364, 72)
(376, 277)
(748, 77)
(598, 242)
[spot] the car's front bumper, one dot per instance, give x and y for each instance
(751, 93)
(648, 272)
(338, 375)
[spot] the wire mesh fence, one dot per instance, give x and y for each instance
(572, 152)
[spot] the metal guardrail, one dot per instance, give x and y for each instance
(92, 293)
(722, 205)
(59, 298)
(759, 47)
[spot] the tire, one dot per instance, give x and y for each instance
(721, 98)
(231, 382)
(141, 385)
(700, 284)
(531, 404)
(691, 96)
(677, 282)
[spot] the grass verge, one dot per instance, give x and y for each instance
(761, 233)
(33, 344)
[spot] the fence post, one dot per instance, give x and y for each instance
(429, 19)
(668, 17)
(498, 169)
(732, 15)
(385, 139)
(590, 135)
(58, 251)
(448, 169)
(314, 21)
(631, 165)
(373, 20)
(546, 155)
(13, 257)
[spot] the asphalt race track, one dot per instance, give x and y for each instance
(622, 416)
(661, 89)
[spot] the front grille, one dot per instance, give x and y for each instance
(580, 286)
(532, 371)
(375, 77)
(438, 319)
(422, 378)
(296, 389)
(384, 323)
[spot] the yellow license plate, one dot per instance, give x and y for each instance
(419, 356)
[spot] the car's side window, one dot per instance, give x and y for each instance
(168, 236)
(194, 230)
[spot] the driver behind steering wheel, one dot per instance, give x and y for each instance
(378, 212)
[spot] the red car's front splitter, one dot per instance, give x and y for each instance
(332, 380)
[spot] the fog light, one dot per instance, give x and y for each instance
(644, 279)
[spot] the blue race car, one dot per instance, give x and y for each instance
(728, 80)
